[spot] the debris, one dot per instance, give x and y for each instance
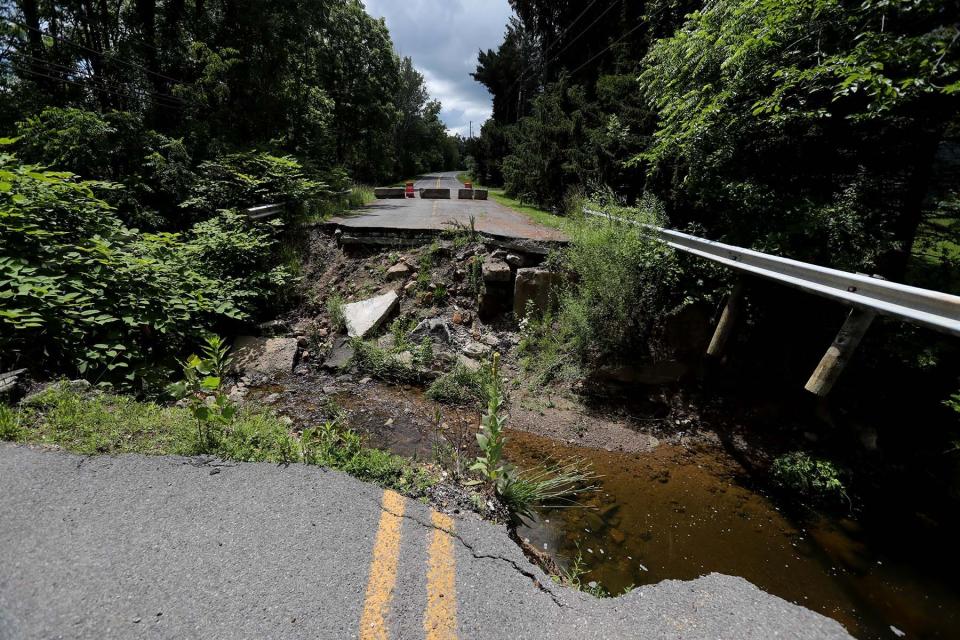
(495, 270)
(398, 271)
(437, 327)
(365, 316)
(533, 284)
(340, 355)
(273, 328)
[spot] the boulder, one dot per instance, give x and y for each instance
(365, 316)
(533, 284)
(495, 270)
(340, 356)
(268, 356)
(398, 271)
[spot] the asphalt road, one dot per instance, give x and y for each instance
(417, 214)
(138, 547)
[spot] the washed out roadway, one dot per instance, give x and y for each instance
(417, 214)
(170, 547)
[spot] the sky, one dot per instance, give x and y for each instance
(443, 37)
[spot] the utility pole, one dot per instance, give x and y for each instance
(471, 129)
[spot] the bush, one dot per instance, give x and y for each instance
(624, 283)
(155, 171)
(460, 386)
(82, 294)
(808, 476)
(248, 179)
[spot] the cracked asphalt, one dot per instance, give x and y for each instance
(168, 547)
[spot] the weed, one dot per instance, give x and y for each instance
(383, 364)
(201, 388)
(338, 318)
(423, 356)
(10, 428)
(460, 386)
(440, 294)
(812, 477)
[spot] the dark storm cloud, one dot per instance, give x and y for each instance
(443, 38)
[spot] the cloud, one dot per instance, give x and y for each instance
(443, 38)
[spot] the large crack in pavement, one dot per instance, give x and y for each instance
(484, 556)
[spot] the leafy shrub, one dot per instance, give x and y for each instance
(815, 478)
(625, 282)
(383, 364)
(254, 178)
(155, 171)
(80, 293)
(338, 319)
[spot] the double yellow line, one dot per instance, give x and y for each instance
(440, 616)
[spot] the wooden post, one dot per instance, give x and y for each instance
(728, 320)
(840, 352)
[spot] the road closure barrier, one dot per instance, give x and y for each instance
(435, 194)
(389, 192)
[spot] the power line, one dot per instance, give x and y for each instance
(608, 47)
(569, 26)
(55, 67)
(85, 85)
(105, 55)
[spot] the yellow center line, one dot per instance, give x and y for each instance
(440, 619)
(438, 182)
(383, 569)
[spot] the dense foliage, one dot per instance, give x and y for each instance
(823, 129)
(84, 294)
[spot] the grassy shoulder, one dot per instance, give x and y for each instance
(540, 216)
(89, 422)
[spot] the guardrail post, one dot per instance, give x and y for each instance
(728, 320)
(840, 352)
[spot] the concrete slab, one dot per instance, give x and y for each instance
(435, 194)
(365, 316)
(465, 194)
(389, 192)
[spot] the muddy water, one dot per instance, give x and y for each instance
(681, 512)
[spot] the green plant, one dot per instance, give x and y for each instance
(383, 364)
(459, 386)
(440, 294)
(423, 356)
(490, 438)
(475, 274)
(338, 318)
(201, 388)
(556, 485)
(10, 428)
(812, 477)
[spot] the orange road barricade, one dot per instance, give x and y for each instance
(409, 192)
(468, 185)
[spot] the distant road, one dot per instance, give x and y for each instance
(438, 180)
(168, 547)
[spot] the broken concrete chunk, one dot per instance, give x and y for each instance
(253, 354)
(273, 328)
(469, 363)
(398, 271)
(365, 316)
(514, 260)
(535, 284)
(474, 349)
(495, 270)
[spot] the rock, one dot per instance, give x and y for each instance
(329, 390)
(273, 328)
(534, 284)
(405, 358)
(490, 340)
(322, 332)
(436, 327)
(305, 356)
(365, 316)
(462, 317)
(386, 341)
(301, 370)
(425, 298)
(474, 349)
(469, 363)
(264, 355)
(617, 536)
(365, 380)
(495, 270)
(459, 274)
(398, 271)
(410, 286)
(273, 398)
(499, 254)
(514, 260)
(340, 356)
(303, 342)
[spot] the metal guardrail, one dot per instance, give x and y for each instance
(269, 210)
(939, 311)
(265, 211)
